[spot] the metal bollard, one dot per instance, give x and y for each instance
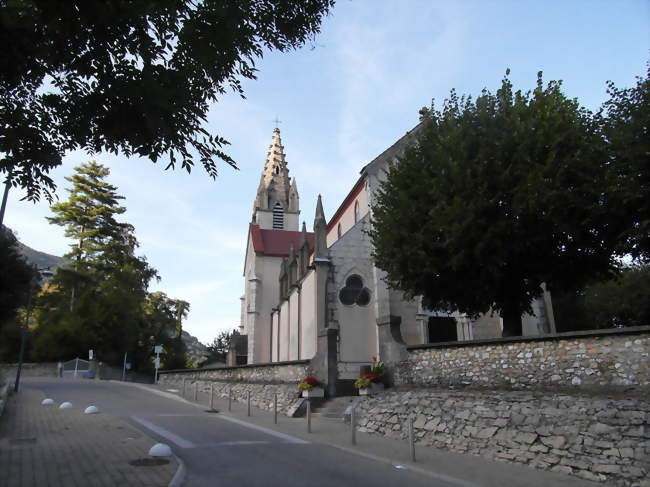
(249, 403)
(230, 399)
(212, 396)
(196, 390)
(275, 409)
(353, 424)
(184, 388)
(411, 439)
(308, 416)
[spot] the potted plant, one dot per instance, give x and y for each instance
(311, 387)
(370, 383)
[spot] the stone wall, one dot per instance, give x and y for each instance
(45, 369)
(579, 360)
(263, 381)
(593, 438)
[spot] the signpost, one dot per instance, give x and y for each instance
(158, 349)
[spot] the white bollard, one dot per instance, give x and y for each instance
(160, 450)
(47, 402)
(91, 410)
(65, 405)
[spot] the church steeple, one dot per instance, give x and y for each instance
(277, 204)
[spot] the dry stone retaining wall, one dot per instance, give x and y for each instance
(596, 359)
(596, 439)
(44, 369)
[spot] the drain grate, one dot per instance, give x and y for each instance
(22, 441)
(149, 462)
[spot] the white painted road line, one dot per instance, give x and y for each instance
(277, 434)
(233, 443)
(183, 443)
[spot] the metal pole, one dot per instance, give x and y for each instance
(249, 404)
(183, 392)
(275, 408)
(212, 396)
(124, 368)
(23, 339)
(411, 439)
(308, 416)
(196, 390)
(230, 398)
(353, 426)
(76, 366)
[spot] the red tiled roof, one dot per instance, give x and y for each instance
(277, 243)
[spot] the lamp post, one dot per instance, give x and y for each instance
(23, 335)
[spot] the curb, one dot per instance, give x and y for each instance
(179, 477)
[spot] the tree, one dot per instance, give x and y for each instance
(15, 277)
(218, 349)
(133, 76)
(163, 318)
(98, 301)
(498, 196)
(627, 131)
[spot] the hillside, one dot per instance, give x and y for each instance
(40, 259)
(196, 351)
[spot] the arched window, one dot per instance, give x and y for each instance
(338, 231)
(356, 211)
(277, 170)
(278, 216)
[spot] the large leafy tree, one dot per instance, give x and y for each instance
(16, 276)
(136, 76)
(627, 131)
(499, 195)
(98, 301)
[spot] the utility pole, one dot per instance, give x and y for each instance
(5, 196)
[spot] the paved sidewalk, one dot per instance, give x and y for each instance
(456, 468)
(42, 446)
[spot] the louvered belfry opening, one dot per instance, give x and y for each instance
(278, 217)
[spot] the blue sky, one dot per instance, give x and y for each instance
(342, 101)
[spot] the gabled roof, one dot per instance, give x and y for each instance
(276, 243)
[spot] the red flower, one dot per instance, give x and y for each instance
(372, 377)
(374, 358)
(312, 381)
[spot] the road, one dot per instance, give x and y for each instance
(220, 450)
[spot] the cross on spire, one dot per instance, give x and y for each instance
(277, 121)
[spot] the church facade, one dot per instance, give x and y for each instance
(318, 295)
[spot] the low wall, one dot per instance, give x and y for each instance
(596, 439)
(598, 358)
(263, 381)
(44, 369)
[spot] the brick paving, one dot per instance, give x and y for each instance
(44, 446)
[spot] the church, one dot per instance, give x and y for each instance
(318, 296)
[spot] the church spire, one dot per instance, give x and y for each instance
(320, 231)
(277, 203)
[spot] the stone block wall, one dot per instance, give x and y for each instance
(590, 359)
(600, 439)
(263, 382)
(44, 369)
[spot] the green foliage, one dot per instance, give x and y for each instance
(612, 303)
(15, 277)
(137, 76)
(100, 301)
(627, 131)
(218, 350)
(499, 195)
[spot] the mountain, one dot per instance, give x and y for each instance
(196, 351)
(41, 259)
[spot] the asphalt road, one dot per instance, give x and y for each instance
(219, 450)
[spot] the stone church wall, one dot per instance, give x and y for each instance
(593, 359)
(600, 439)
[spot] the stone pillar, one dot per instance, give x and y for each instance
(392, 349)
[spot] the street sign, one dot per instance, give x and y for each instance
(127, 366)
(90, 354)
(158, 349)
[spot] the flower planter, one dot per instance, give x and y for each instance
(314, 392)
(374, 388)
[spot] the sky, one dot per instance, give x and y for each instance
(342, 100)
